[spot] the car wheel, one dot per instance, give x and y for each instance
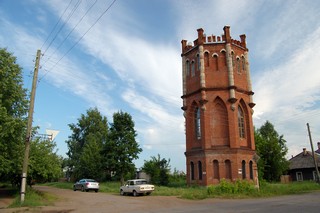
(82, 188)
(135, 194)
(74, 188)
(96, 190)
(148, 193)
(121, 192)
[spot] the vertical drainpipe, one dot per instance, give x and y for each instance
(232, 97)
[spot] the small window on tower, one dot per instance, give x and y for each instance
(198, 62)
(192, 170)
(233, 59)
(206, 59)
(192, 69)
(188, 67)
(238, 65)
(216, 62)
(243, 63)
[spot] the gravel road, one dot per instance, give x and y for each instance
(70, 201)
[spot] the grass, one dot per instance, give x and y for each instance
(34, 198)
(239, 189)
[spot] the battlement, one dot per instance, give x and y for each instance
(203, 39)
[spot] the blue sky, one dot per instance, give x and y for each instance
(130, 60)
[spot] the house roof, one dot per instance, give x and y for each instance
(303, 160)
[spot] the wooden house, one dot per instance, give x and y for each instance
(302, 166)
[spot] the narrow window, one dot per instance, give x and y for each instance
(227, 165)
(243, 64)
(244, 170)
(241, 123)
(206, 59)
(215, 57)
(197, 122)
(251, 170)
(188, 67)
(224, 56)
(192, 69)
(233, 59)
(192, 170)
(216, 169)
(200, 170)
(238, 65)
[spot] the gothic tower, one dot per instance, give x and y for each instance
(217, 105)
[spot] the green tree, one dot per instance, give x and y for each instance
(158, 169)
(13, 111)
(45, 164)
(85, 144)
(122, 148)
(272, 150)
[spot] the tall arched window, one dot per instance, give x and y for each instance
(241, 123)
(200, 170)
(197, 122)
(216, 169)
(206, 59)
(193, 69)
(244, 170)
(192, 170)
(227, 165)
(251, 170)
(188, 67)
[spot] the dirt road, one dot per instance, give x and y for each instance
(70, 201)
(77, 201)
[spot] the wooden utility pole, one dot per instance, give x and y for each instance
(313, 155)
(29, 128)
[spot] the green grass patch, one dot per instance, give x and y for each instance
(34, 198)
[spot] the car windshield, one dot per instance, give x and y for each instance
(91, 180)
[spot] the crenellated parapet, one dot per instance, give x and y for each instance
(203, 39)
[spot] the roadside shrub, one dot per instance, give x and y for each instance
(227, 187)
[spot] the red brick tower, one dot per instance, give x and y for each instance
(217, 104)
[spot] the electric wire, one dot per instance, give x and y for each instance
(102, 14)
(56, 24)
(62, 26)
(49, 57)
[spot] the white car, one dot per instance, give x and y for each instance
(136, 187)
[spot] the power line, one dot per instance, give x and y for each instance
(56, 24)
(71, 30)
(62, 26)
(103, 13)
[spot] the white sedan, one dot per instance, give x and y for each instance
(136, 187)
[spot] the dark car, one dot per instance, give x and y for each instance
(86, 185)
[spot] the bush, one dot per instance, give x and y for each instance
(226, 187)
